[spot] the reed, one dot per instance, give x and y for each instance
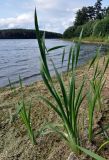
(22, 112)
(97, 83)
(67, 107)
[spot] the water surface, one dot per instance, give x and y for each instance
(22, 57)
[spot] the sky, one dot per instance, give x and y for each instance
(53, 15)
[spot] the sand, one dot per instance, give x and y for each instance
(14, 141)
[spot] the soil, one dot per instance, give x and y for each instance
(14, 141)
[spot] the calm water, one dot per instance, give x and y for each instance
(22, 57)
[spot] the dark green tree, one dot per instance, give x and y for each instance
(81, 17)
(107, 11)
(91, 12)
(98, 9)
(104, 12)
(69, 32)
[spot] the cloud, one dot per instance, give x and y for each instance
(53, 15)
(47, 21)
(56, 24)
(46, 4)
(73, 10)
(22, 20)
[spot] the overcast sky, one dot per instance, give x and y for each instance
(53, 15)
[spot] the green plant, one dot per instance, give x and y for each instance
(23, 113)
(25, 116)
(12, 87)
(67, 103)
(96, 86)
(67, 106)
(102, 27)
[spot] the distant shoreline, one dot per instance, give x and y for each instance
(26, 34)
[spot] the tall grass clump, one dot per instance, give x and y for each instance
(67, 103)
(102, 27)
(74, 31)
(96, 83)
(67, 107)
(23, 112)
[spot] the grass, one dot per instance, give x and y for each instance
(67, 107)
(22, 112)
(96, 86)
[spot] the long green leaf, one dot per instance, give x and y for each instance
(55, 95)
(91, 154)
(73, 59)
(57, 130)
(41, 47)
(69, 58)
(106, 66)
(54, 48)
(29, 112)
(63, 55)
(72, 99)
(78, 47)
(63, 90)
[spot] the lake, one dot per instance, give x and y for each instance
(21, 57)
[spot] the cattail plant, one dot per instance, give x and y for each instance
(97, 83)
(23, 113)
(66, 106)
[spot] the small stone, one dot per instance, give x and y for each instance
(106, 101)
(72, 157)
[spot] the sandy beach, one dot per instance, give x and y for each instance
(14, 141)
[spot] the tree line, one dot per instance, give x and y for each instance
(26, 34)
(92, 19)
(86, 14)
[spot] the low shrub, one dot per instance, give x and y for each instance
(102, 27)
(99, 28)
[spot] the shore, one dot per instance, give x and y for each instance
(91, 40)
(14, 142)
(95, 42)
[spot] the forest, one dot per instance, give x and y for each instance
(94, 20)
